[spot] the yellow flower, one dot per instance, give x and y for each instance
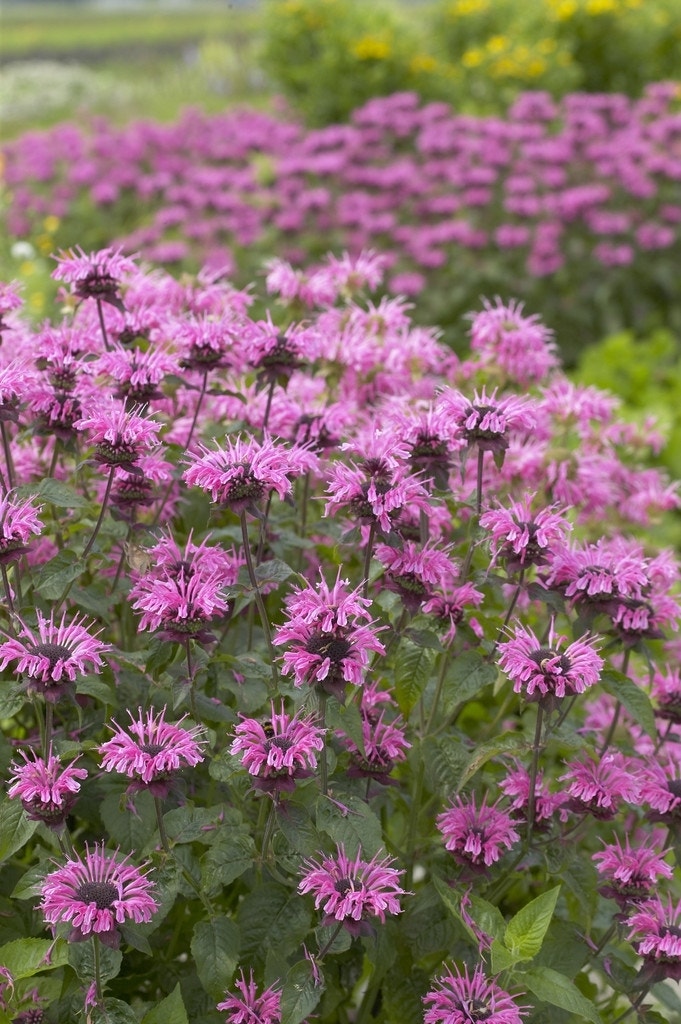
(473, 58)
(596, 7)
(422, 62)
(371, 48)
(51, 223)
(465, 7)
(535, 68)
(566, 10)
(497, 44)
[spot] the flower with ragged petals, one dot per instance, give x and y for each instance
(486, 421)
(353, 891)
(206, 343)
(10, 300)
(152, 752)
(47, 788)
(630, 873)
(516, 786)
(506, 339)
(240, 474)
(15, 378)
(599, 787)
(278, 752)
(449, 604)
(249, 1007)
(97, 893)
(138, 372)
(666, 693)
(414, 569)
(477, 836)
(384, 745)
(182, 606)
(660, 789)
(655, 930)
(120, 435)
(520, 537)
(462, 998)
(18, 523)
(96, 275)
(55, 655)
(328, 607)
(547, 672)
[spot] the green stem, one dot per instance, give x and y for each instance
(531, 798)
(367, 559)
(322, 697)
(412, 835)
(327, 945)
(444, 664)
(98, 969)
(49, 725)
(9, 461)
(258, 596)
(199, 403)
(606, 938)
(102, 511)
(165, 843)
(269, 831)
(8, 596)
(478, 482)
(268, 406)
(634, 1006)
(506, 881)
(100, 314)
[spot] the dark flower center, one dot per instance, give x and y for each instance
(280, 742)
(670, 929)
(674, 787)
(102, 894)
(53, 652)
(476, 1010)
(151, 748)
(335, 648)
(96, 285)
(343, 886)
(545, 654)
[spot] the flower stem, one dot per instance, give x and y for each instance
(367, 559)
(444, 664)
(634, 1006)
(268, 406)
(323, 764)
(8, 595)
(105, 336)
(478, 482)
(269, 831)
(197, 409)
(258, 596)
(531, 796)
(165, 843)
(161, 825)
(49, 725)
(105, 502)
(98, 969)
(9, 461)
(327, 945)
(191, 675)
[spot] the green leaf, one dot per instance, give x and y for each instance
(468, 674)
(487, 917)
(58, 493)
(301, 994)
(632, 697)
(55, 576)
(502, 959)
(113, 1011)
(131, 830)
(346, 719)
(93, 686)
(271, 917)
(188, 824)
(229, 857)
(81, 958)
(484, 752)
(353, 824)
(413, 670)
(554, 988)
(215, 948)
(12, 701)
(296, 825)
(526, 930)
(445, 759)
(169, 1011)
(272, 571)
(25, 957)
(15, 828)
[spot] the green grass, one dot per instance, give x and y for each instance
(60, 29)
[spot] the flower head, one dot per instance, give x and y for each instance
(550, 671)
(18, 523)
(477, 836)
(183, 605)
(630, 873)
(598, 787)
(449, 605)
(487, 421)
(516, 786)
(47, 789)
(414, 570)
(278, 752)
(94, 275)
(460, 998)
(518, 345)
(352, 891)
(249, 1007)
(55, 655)
(152, 751)
(655, 930)
(120, 436)
(520, 537)
(97, 893)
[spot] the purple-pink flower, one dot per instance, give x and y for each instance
(97, 893)
(120, 435)
(18, 523)
(249, 1007)
(96, 275)
(629, 874)
(279, 751)
(655, 930)
(477, 836)
(598, 787)
(549, 671)
(152, 751)
(55, 655)
(520, 346)
(353, 891)
(520, 537)
(413, 570)
(488, 421)
(47, 788)
(463, 998)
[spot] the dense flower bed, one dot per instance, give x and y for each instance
(340, 674)
(576, 202)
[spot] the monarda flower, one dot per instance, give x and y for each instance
(384, 746)
(374, 499)
(413, 571)
(506, 340)
(521, 538)
(96, 275)
(47, 788)
(660, 782)
(548, 672)
(120, 436)
(96, 894)
(137, 372)
(249, 1007)
(461, 998)
(629, 874)
(516, 786)
(15, 378)
(18, 523)
(599, 787)
(206, 343)
(152, 752)
(55, 656)
(477, 836)
(278, 752)
(183, 606)
(655, 930)
(486, 421)
(239, 475)
(449, 605)
(353, 891)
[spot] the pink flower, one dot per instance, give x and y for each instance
(239, 475)
(374, 496)
(449, 606)
(18, 523)
(477, 836)
(599, 787)
(520, 537)
(488, 421)
(655, 929)
(55, 654)
(249, 1007)
(414, 570)
(466, 999)
(120, 436)
(138, 372)
(548, 672)
(516, 786)
(352, 891)
(206, 342)
(384, 746)
(94, 275)
(152, 752)
(629, 874)
(328, 608)
(660, 789)
(520, 346)
(96, 894)
(182, 604)
(47, 789)
(278, 752)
